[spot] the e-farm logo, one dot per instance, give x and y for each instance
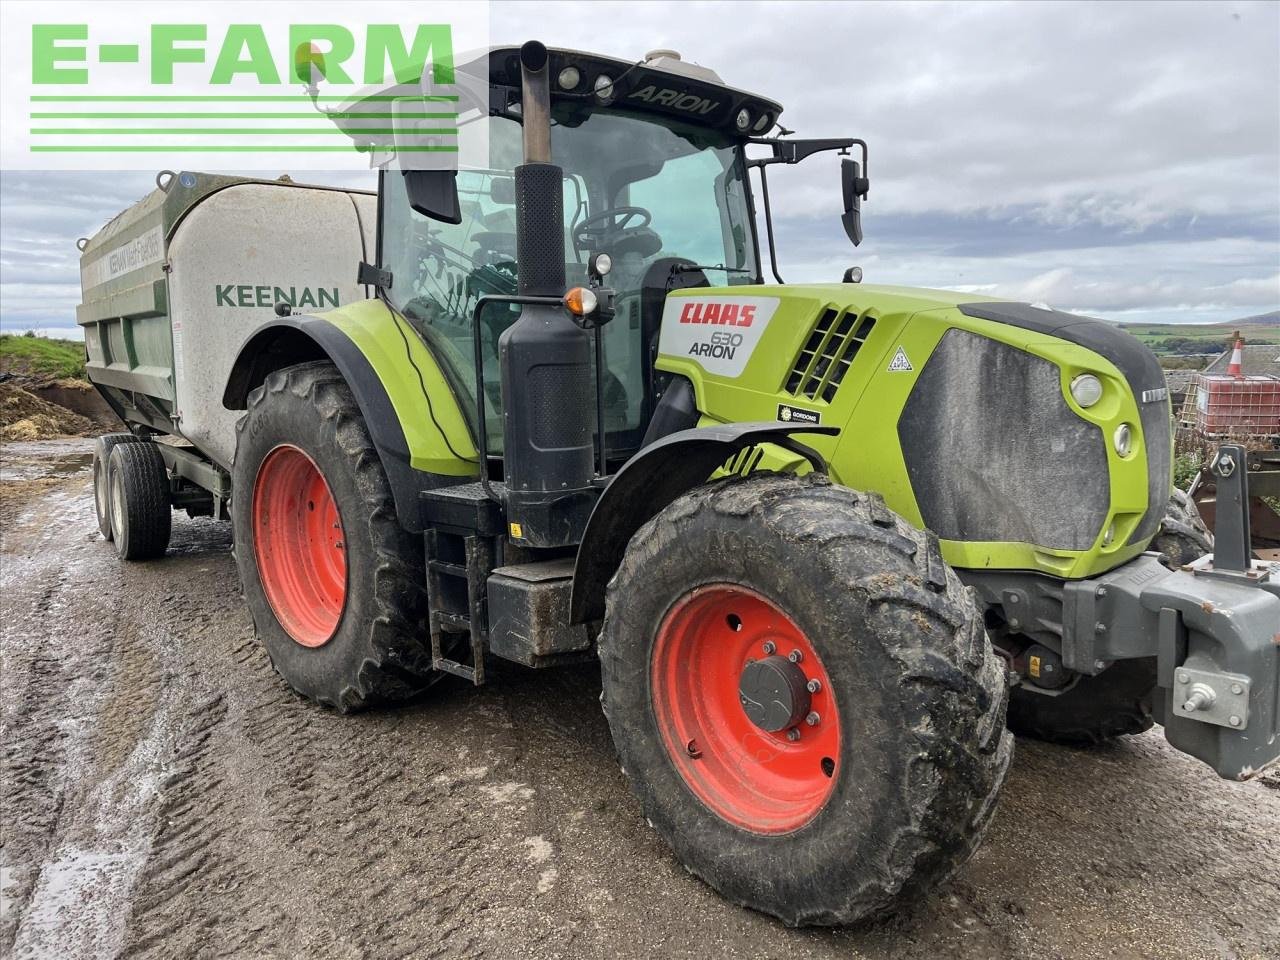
(247, 86)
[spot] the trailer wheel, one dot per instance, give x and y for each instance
(141, 516)
(803, 697)
(335, 585)
(1118, 701)
(101, 489)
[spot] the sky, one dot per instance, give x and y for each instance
(1116, 159)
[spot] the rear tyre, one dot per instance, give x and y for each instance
(1118, 701)
(141, 517)
(334, 583)
(803, 697)
(101, 490)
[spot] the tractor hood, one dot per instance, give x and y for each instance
(965, 413)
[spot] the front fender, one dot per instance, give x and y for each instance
(651, 480)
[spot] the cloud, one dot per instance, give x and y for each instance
(1118, 157)
(1064, 288)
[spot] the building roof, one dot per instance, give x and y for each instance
(1257, 359)
(1179, 380)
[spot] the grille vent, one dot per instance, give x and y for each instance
(827, 354)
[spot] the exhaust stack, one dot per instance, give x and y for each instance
(544, 357)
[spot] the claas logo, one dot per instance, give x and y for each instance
(722, 314)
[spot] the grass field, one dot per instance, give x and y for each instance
(41, 355)
(1213, 336)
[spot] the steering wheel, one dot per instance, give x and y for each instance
(608, 226)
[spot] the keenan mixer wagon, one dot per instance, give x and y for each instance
(550, 410)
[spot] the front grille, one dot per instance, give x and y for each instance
(995, 453)
(826, 356)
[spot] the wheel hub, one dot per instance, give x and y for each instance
(746, 709)
(299, 546)
(773, 693)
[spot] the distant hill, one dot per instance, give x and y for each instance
(1198, 338)
(1271, 319)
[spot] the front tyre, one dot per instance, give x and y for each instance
(1183, 536)
(803, 697)
(334, 583)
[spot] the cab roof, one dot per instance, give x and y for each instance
(489, 80)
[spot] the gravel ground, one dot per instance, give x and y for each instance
(165, 796)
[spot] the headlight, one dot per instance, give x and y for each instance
(743, 120)
(569, 78)
(603, 88)
(1124, 439)
(1086, 389)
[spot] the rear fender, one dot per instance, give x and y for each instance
(651, 480)
(404, 447)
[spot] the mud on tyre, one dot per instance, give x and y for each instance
(910, 697)
(334, 583)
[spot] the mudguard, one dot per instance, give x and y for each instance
(651, 480)
(299, 338)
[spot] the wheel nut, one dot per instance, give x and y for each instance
(1183, 678)
(769, 647)
(793, 734)
(813, 686)
(1234, 721)
(795, 656)
(813, 718)
(1237, 689)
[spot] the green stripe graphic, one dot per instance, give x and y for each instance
(222, 148)
(178, 98)
(192, 131)
(348, 115)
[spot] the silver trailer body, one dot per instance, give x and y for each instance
(175, 285)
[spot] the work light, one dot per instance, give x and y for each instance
(1087, 389)
(1124, 439)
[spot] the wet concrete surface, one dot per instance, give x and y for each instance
(165, 796)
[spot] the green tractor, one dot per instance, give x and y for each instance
(820, 536)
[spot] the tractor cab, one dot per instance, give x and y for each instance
(654, 179)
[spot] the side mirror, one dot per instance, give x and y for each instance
(434, 194)
(854, 187)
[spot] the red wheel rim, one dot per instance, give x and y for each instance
(761, 781)
(299, 545)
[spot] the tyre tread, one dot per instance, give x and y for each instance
(399, 665)
(947, 663)
(148, 519)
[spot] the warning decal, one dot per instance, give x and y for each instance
(900, 363)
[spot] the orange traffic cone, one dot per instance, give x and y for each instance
(1233, 368)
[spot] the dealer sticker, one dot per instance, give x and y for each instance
(790, 414)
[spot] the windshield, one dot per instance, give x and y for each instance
(648, 191)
